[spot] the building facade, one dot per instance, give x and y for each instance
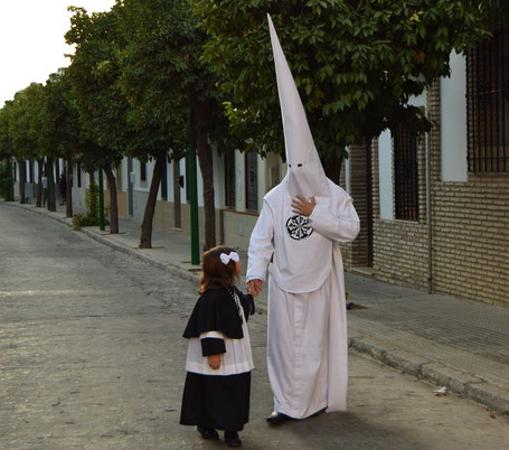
(434, 209)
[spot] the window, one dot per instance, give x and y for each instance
(78, 175)
(406, 183)
(488, 104)
(143, 172)
(229, 179)
(164, 181)
(251, 181)
(31, 171)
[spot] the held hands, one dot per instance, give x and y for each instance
(302, 206)
(214, 361)
(254, 287)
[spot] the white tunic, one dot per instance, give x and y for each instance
(237, 359)
(307, 352)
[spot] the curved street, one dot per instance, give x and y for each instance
(91, 357)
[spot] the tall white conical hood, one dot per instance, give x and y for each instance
(305, 175)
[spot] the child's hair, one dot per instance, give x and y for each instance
(215, 274)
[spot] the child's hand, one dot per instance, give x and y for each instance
(214, 361)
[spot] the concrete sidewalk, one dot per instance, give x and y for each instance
(456, 343)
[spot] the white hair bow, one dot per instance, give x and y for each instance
(232, 256)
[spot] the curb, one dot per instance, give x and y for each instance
(460, 383)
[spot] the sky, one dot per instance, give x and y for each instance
(32, 43)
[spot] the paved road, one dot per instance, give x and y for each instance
(91, 358)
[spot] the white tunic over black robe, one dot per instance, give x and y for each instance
(219, 398)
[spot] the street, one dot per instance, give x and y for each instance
(91, 357)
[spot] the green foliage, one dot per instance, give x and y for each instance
(26, 118)
(83, 220)
(163, 76)
(356, 63)
(92, 201)
(94, 74)
(64, 131)
(91, 218)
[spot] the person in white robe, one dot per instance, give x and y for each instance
(296, 237)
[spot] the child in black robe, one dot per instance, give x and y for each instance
(219, 359)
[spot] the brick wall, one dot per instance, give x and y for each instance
(471, 239)
(400, 247)
(470, 223)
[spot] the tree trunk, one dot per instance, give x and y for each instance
(206, 165)
(22, 181)
(112, 185)
(177, 208)
(40, 166)
(52, 201)
(150, 206)
(68, 189)
(332, 167)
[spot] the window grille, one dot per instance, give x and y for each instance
(143, 171)
(252, 181)
(488, 104)
(406, 181)
(78, 175)
(229, 179)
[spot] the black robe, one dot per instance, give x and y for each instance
(219, 402)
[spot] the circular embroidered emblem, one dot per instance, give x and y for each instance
(298, 227)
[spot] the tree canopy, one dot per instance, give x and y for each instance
(356, 63)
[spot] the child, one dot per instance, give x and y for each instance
(219, 358)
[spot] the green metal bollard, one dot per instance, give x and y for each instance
(101, 201)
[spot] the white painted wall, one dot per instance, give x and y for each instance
(453, 125)
(385, 175)
(348, 175)
(240, 181)
(183, 191)
(261, 180)
(218, 164)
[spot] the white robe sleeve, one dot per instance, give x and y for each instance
(342, 226)
(261, 245)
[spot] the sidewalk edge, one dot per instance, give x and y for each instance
(461, 384)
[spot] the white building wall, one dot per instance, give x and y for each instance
(183, 190)
(218, 164)
(453, 124)
(240, 181)
(385, 174)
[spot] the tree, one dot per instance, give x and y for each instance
(65, 134)
(356, 63)
(165, 82)
(6, 153)
(94, 74)
(27, 130)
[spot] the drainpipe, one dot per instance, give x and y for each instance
(429, 203)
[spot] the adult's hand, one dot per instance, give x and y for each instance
(254, 287)
(302, 206)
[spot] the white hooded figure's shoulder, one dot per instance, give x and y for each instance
(338, 191)
(276, 194)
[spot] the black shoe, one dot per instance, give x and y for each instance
(278, 418)
(319, 413)
(208, 433)
(232, 439)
